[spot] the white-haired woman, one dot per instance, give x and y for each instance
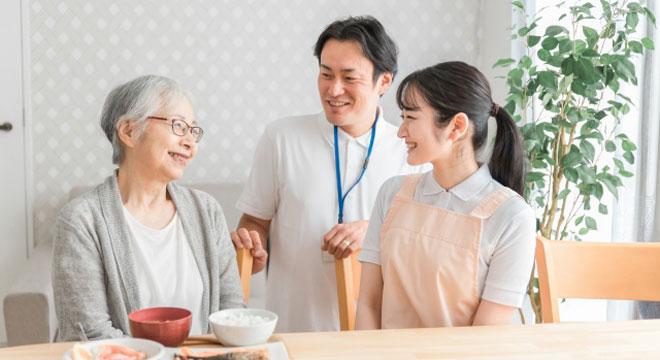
(138, 239)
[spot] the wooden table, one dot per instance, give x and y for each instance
(612, 340)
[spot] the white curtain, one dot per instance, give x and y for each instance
(637, 212)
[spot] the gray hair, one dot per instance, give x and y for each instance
(134, 101)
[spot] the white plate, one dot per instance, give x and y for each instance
(276, 350)
(153, 349)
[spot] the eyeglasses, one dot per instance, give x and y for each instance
(180, 127)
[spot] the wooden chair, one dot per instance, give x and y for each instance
(587, 270)
(348, 284)
(244, 260)
(348, 272)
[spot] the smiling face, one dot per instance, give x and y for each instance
(162, 153)
(346, 86)
(426, 141)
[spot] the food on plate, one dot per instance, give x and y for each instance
(106, 352)
(233, 354)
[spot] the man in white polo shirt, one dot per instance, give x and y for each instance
(306, 167)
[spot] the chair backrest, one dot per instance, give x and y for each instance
(347, 272)
(244, 260)
(588, 270)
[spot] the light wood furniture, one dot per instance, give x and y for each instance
(244, 260)
(348, 271)
(588, 270)
(611, 340)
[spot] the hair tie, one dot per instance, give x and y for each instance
(494, 109)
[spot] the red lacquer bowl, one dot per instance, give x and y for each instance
(167, 325)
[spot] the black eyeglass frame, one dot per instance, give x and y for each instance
(196, 131)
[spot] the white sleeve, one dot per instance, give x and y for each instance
(260, 195)
(511, 263)
(371, 247)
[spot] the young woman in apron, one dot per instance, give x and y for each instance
(454, 246)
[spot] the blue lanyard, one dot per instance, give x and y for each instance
(340, 196)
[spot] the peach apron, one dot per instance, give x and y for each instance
(429, 259)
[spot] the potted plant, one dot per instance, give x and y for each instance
(572, 75)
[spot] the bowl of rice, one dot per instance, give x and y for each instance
(242, 327)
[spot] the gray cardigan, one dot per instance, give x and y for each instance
(94, 280)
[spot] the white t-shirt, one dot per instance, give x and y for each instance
(292, 182)
(506, 252)
(167, 272)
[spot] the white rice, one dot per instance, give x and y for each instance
(240, 319)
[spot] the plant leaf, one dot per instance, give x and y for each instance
(590, 223)
(588, 150)
(636, 46)
(503, 62)
(548, 80)
(591, 35)
(630, 158)
(632, 19)
(555, 30)
(585, 70)
(532, 40)
(549, 43)
(648, 43)
(610, 146)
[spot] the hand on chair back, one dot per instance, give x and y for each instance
(243, 238)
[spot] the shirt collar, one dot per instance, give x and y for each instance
(465, 189)
(327, 129)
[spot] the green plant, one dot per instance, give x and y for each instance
(572, 75)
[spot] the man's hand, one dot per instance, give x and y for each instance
(243, 237)
(344, 239)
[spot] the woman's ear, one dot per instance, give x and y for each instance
(459, 125)
(126, 133)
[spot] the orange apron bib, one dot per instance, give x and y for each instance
(429, 260)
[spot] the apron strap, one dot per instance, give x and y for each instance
(407, 190)
(487, 207)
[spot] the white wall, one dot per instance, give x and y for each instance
(494, 43)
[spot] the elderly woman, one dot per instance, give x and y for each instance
(139, 240)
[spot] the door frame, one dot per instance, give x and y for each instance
(26, 87)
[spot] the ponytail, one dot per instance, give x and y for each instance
(507, 164)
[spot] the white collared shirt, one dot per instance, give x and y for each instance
(507, 245)
(292, 182)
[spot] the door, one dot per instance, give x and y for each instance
(13, 209)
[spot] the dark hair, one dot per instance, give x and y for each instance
(369, 33)
(453, 87)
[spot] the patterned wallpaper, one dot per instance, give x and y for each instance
(245, 62)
